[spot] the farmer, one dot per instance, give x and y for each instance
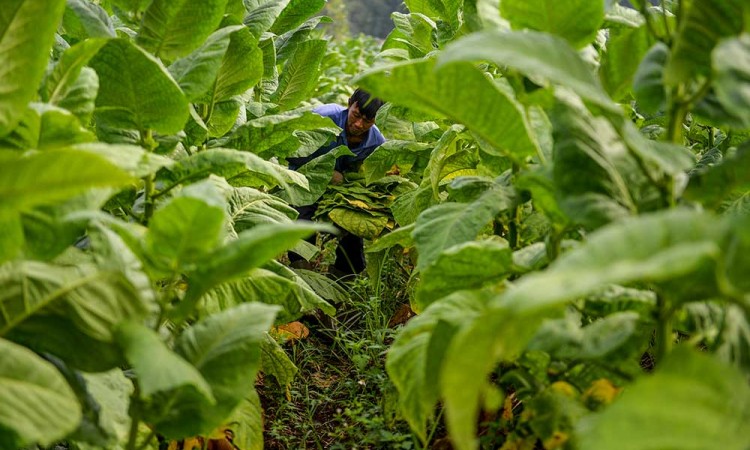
(360, 134)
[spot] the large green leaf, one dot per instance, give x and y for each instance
(27, 30)
(276, 363)
(401, 154)
(239, 168)
(535, 54)
(418, 31)
(318, 172)
(249, 207)
(703, 25)
(261, 18)
(86, 303)
(460, 92)
(678, 245)
(407, 207)
(295, 12)
(469, 265)
(84, 19)
(46, 126)
(36, 404)
(359, 222)
(575, 21)
(196, 73)
(264, 134)
(415, 358)
(648, 80)
(38, 178)
(132, 159)
(299, 78)
(732, 67)
(110, 392)
(264, 286)
(186, 229)
(590, 144)
(80, 97)
(136, 91)
(67, 70)
(443, 226)
(247, 422)
(225, 348)
(714, 184)
(287, 43)
(241, 67)
(251, 249)
(625, 50)
(160, 372)
(692, 402)
(173, 28)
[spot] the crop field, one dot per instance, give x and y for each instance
(556, 230)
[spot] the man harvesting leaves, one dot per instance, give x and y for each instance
(361, 135)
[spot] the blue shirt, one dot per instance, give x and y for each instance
(338, 114)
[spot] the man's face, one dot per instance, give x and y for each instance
(356, 123)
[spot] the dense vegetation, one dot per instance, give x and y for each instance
(563, 201)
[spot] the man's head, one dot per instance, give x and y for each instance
(362, 111)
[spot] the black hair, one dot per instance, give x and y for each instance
(367, 104)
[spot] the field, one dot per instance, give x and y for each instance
(557, 228)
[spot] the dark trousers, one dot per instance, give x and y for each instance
(350, 253)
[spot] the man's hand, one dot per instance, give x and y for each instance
(337, 178)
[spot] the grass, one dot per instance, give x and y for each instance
(342, 397)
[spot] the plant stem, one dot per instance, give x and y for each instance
(664, 328)
(134, 419)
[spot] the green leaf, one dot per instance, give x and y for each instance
(87, 301)
(575, 21)
(286, 44)
(460, 92)
(295, 12)
(264, 286)
(251, 249)
(469, 265)
(648, 81)
(160, 371)
(239, 168)
(173, 28)
(196, 73)
(625, 51)
(676, 249)
(186, 229)
(11, 235)
(262, 135)
(691, 402)
(111, 393)
(535, 54)
(318, 172)
(67, 71)
(260, 19)
(275, 362)
(407, 207)
(402, 154)
(359, 223)
(443, 226)
(714, 184)
(401, 236)
(132, 6)
(299, 78)
(590, 144)
(416, 356)
(702, 26)
(43, 178)
(732, 68)
(241, 67)
(247, 422)
(249, 207)
(46, 126)
(80, 98)
(132, 159)
(226, 349)
(90, 18)
(25, 53)
(418, 31)
(136, 91)
(36, 404)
